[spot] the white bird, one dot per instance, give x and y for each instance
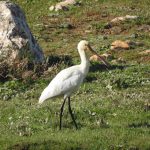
(68, 80)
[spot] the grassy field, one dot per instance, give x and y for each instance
(112, 107)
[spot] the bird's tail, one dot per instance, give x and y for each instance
(45, 95)
(41, 100)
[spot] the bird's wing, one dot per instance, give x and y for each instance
(65, 82)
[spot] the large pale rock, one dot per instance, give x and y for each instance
(16, 39)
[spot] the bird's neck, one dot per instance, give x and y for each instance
(84, 62)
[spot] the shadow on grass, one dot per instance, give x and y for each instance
(101, 67)
(55, 59)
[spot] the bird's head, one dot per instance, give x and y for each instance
(84, 45)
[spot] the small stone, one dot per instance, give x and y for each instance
(119, 45)
(93, 113)
(118, 19)
(51, 8)
(114, 114)
(109, 87)
(94, 58)
(63, 5)
(10, 118)
(131, 17)
(88, 31)
(104, 15)
(98, 59)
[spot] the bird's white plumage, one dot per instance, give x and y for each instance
(64, 83)
(68, 80)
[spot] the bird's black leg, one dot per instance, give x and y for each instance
(61, 113)
(70, 111)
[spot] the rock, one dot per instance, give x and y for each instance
(51, 8)
(94, 58)
(120, 19)
(117, 20)
(16, 39)
(131, 17)
(146, 52)
(63, 5)
(118, 44)
(104, 15)
(105, 56)
(88, 31)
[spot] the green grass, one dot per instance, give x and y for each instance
(111, 107)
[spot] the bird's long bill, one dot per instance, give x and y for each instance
(100, 57)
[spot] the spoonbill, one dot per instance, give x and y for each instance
(68, 80)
